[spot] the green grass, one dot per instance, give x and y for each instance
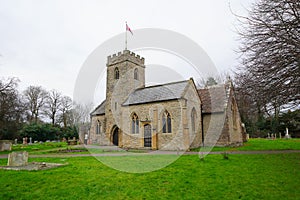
(263, 145)
(273, 176)
(63, 148)
(60, 147)
(37, 147)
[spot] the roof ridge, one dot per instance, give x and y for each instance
(164, 84)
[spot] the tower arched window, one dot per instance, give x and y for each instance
(166, 122)
(117, 73)
(136, 75)
(193, 119)
(98, 127)
(134, 124)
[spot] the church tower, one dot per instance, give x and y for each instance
(125, 73)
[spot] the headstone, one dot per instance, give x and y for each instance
(268, 135)
(272, 136)
(280, 135)
(18, 158)
(247, 136)
(287, 136)
(30, 140)
(24, 141)
(5, 145)
(16, 141)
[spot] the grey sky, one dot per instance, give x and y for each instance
(46, 42)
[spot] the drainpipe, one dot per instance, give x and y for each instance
(202, 129)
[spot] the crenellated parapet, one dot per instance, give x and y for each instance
(126, 55)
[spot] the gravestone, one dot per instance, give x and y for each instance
(287, 136)
(18, 158)
(247, 136)
(5, 145)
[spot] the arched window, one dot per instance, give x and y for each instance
(117, 74)
(166, 122)
(134, 124)
(136, 77)
(193, 119)
(98, 127)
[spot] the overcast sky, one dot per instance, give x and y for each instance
(46, 42)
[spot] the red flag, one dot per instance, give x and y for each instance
(128, 29)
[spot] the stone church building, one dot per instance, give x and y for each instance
(171, 116)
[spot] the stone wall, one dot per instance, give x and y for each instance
(118, 90)
(102, 138)
(213, 125)
(180, 110)
(234, 122)
(193, 102)
(147, 115)
(224, 127)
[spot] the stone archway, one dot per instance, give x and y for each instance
(115, 136)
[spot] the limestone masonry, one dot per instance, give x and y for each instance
(171, 116)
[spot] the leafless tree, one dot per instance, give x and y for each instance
(270, 52)
(35, 97)
(65, 108)
(53, 104)
(81, 112)
(11, 108)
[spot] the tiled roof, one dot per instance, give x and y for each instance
(100, 110)
(214, 98)
(156, 93)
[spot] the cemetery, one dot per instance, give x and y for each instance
(241, 176)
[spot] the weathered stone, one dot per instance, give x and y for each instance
(18, 158)
(5, 145)
(127, 95)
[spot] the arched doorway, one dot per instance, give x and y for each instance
(115, 136)
(147, 136)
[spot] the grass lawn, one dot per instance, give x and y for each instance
(62, 147)
(260, 144)
(34, 148)
(273, 176)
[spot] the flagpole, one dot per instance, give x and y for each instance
(126, 36)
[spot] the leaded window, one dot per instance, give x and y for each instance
(193, 120)
(166, 123)
(136, 77)
(117, 74)
(134, 124)
(98, 127)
